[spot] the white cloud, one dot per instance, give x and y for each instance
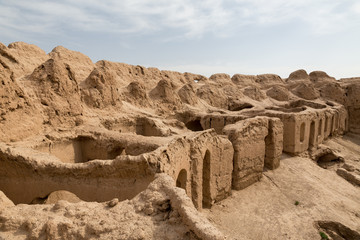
(188, 18)
(356, 8)
(193, 18)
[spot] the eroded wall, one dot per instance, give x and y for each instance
(207, 160)
(248, 139)
(27, 175)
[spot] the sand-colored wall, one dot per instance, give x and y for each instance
(26, 175)
(206, 183)
(248, 139)
(274, 143)
(307, 129)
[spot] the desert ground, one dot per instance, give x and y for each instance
(109, 150)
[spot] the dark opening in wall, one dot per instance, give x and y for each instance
(320, 127)
(326, 124)
(287, 110)
(312, 137)
(239, 106)
(302, 103)
(181, 179)
(194, 125)
(302, 132)
(206, 199)
(336, 121)
(346, 124)
(328, 160)
(331, 104)
(331, 124)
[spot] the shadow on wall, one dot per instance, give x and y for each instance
(181, 179)
(194, 125)
(206, 199)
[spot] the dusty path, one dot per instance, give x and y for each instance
(267, 210)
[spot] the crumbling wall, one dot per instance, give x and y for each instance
(248, 139)
(161, 211)
(207, 160)
(352, 104)
(274, 143)
(212, 168)
(26, 175)
(310, 127)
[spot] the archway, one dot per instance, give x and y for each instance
(181, 179)
(206, 199)
(326, 125)
(320, 127)
(194, 125)
(312, 134)
(336, 121)
(302, 132)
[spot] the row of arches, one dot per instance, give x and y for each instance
(320, 129)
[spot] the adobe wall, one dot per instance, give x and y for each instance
(352, 104)
(309, 128)
(26, 174)
(207, 160)
(248, 139)
(274, 143)
(219, 121)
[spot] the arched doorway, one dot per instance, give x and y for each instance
(206, 200)
(302, 132)
(320, 127)
(312, 134)
(181, 179)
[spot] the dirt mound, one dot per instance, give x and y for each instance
(244, 80)
(55, 85)
(15, 104)
(187, 94)
(300, 74)
(254, 93)
(21, 57)
(279, 93)
(212, 95)
(267, 80)
(62, 195)
(319, 78)
(80, 64)
(136, 94)
(165, 96)
(221, 78)
(306, 91)
(101, 87)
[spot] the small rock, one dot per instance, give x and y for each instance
(113, 202)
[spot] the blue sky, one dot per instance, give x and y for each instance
(206, 37)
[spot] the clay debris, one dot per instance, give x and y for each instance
(108, 150)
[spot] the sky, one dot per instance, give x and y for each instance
(204, 37)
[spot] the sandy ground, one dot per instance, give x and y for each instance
(267, 210)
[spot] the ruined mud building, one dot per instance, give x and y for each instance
(104, 130)
(108, 130)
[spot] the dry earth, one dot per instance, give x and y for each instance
(108, 150)
(267, 209)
